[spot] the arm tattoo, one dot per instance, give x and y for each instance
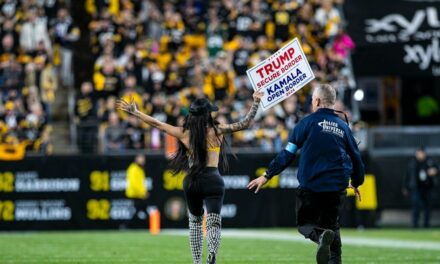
(243, 124)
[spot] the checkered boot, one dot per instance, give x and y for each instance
(196, 237)
(213, 229)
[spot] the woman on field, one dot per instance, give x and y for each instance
(201, 142)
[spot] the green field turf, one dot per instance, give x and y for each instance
(172, 247)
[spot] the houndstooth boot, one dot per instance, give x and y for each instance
(213, 228)
(196, 237)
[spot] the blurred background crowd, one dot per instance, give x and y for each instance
(35, 37)
(161, 54)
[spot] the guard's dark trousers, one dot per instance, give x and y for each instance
(317, 212)
(421, 201)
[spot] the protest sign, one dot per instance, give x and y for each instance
(282, 74)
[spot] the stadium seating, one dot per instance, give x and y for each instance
(163, 54)
(31, 36)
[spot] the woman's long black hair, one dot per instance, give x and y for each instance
(197, 125)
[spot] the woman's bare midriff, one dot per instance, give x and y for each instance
(213, 142)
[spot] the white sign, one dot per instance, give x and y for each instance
(281, 75)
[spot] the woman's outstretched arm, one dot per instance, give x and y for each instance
(245, 122)
(132, 109)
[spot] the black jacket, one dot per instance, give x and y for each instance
(329, 154)
(414, 180)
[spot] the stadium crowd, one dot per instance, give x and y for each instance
(162, 54)
(35, 35)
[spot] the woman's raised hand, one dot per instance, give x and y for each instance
(258, 95)
(130, 108)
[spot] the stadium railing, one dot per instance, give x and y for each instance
(402, 141)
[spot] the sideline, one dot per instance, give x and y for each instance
(346, 240)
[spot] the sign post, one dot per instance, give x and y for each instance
(281, 75)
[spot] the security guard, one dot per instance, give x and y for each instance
(329, 159)
(419, 181)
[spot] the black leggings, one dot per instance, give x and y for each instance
(208, 187)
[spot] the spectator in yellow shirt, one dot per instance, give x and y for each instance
(136, 189)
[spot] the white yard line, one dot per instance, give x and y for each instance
(346, 240)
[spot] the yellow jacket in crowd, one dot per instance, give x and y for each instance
(136, 182)
(112, 7)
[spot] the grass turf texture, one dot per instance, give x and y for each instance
(140, 247)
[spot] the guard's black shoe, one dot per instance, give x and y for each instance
(211, 258)
(325, 240)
